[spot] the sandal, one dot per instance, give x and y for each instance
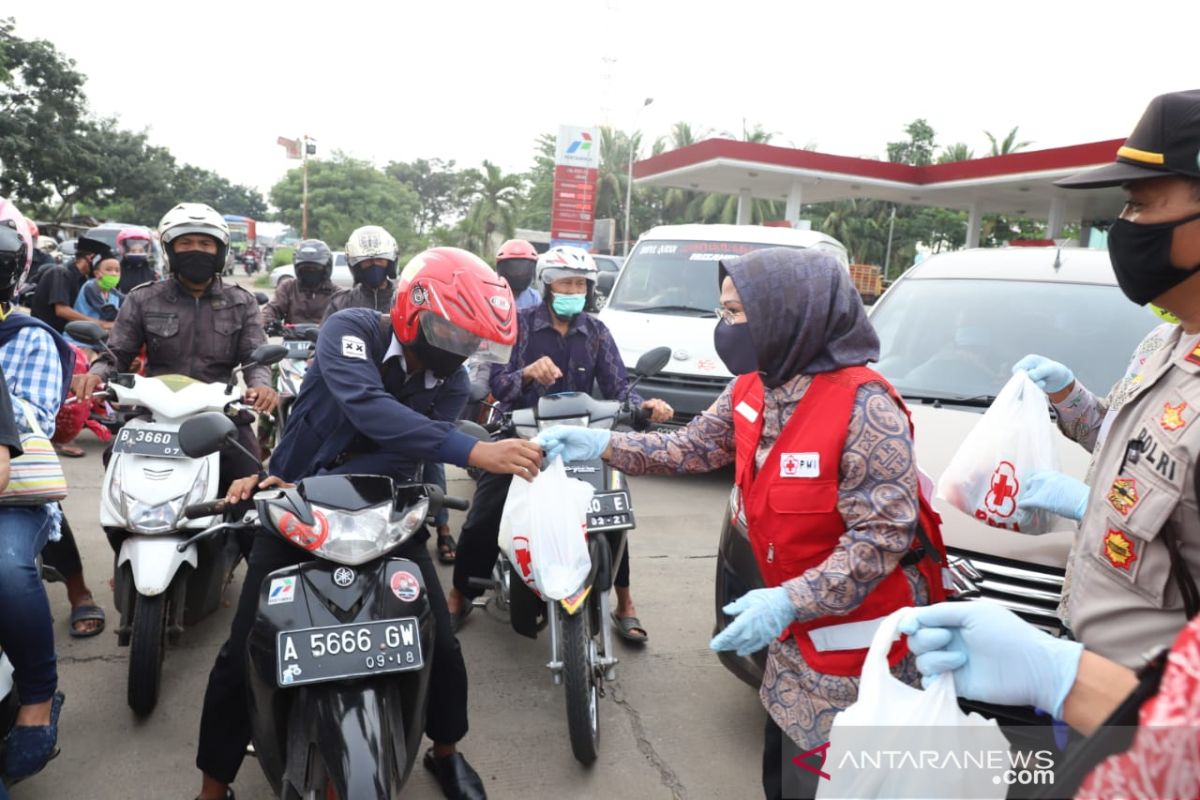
(447, 548)
(68, 451)
(630, 629)
(86, 613)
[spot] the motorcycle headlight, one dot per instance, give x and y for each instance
(200, 487)
(115, 496)
(146, 518)
(352, 537)
(578, 422)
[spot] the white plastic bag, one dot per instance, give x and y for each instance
(543, 531)
(1013, 440)
(900, 741)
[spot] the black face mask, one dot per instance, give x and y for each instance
(373, 276)
(1141, 258)
(442, 363)
(195, 266)
(518, 273)
(309, 278)
(735, 347)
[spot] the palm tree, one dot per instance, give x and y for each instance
(680, 205)
(495, 199)
(1009, 145)
(956, 152)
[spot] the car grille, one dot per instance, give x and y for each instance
(688, 381)
(1033, 592)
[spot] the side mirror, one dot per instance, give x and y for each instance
(268, 354)
(473, 429)
(87, 332)
(652, 362)
(479, 392)
(205, 434)
(261, 298)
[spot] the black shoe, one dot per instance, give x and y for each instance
(459, 781)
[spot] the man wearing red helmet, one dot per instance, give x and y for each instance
(516, 262)
(380, 398)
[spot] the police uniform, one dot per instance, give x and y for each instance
(298, 305)
(1125, 600)
(362, 297)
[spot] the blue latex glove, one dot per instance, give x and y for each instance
(1050, 376)
(760, 616)
(1055, 492)
(996, 656)
(572, 443)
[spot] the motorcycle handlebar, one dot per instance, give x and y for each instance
(208, 509)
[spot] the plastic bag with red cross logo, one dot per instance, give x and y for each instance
(543, 531)
(1012, 440)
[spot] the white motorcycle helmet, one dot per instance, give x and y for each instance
(372, 241)
(566, 261)
(193, 218)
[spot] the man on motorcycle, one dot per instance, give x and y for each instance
(559, 349)
(381, 397)
(134, 248)
(516, 262)
(304, 299)
(371, 253)
(193, 324)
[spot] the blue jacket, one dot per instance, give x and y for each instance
(380, 419)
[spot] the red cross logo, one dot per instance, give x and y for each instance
(1001, 498)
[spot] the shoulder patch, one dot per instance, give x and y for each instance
(354, 347)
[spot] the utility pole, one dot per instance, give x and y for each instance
(887, 258)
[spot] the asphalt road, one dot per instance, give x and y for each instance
(674, 725)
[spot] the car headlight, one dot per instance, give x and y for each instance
(146, 518)
(351, 537)
(578, 422)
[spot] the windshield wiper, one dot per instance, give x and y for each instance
(937, 400)
(704, 312)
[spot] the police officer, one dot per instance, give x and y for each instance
(371, 253)
(1132, 572)
(194, 324)
(381, 397)
(304, 299)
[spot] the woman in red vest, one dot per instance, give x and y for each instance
(827, 484)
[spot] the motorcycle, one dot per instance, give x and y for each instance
(300, 341)
(249, 262)
(339, 658)
(582, 657)
(159, 589)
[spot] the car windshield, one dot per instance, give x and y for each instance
(958, 339)
(675, 277)
(339, 259)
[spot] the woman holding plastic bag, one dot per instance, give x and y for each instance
(827, 483)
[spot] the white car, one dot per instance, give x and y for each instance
(341, 272)
(666, 294)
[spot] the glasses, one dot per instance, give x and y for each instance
(728, 316)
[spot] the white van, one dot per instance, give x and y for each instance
(667, 294)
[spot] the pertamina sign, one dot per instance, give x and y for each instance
(576, 166)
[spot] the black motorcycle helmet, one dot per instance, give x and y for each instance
(313, 251)
(13, 255)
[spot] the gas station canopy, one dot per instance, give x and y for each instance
(1017, 184)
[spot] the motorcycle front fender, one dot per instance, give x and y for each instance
(154, 561)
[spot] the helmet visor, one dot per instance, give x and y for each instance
(136, 247)
(445, 335)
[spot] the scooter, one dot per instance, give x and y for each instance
(339, 658)
(158, 589)
(582, 657)
(300, 341)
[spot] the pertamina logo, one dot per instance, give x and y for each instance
(580, 145)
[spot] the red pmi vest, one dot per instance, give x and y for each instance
(791, 511)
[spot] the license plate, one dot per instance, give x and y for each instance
(610, 511)
(313, 655)
(148, 442)
(299, 348)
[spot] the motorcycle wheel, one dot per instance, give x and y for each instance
(581, 684)
(147, 645)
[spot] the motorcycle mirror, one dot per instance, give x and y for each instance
(87, 332)
(205, 434)
(479, 392)
(268, 354)
(473, 429)
(311, 334)
(261, 298)
(652, 362)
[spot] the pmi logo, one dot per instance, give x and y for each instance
(580, 145)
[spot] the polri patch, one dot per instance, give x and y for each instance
(1123, 495)
(1194, 356)
(1173, 418)
(800, 465)
(354, 347)
(1119, 549)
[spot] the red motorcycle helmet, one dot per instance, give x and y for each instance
(516, 248)
(457, 303)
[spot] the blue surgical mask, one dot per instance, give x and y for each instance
(568, 305)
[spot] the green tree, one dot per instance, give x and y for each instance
(494, 199)
(438, 186)
(345, 193)
(1008, 145)
(955, 152)
(539, 181)
(918, 149)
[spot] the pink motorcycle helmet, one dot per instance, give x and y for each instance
(16, 247)
(133, 244)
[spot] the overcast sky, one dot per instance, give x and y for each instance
(218, 81)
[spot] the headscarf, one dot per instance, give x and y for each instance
(804, 313)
